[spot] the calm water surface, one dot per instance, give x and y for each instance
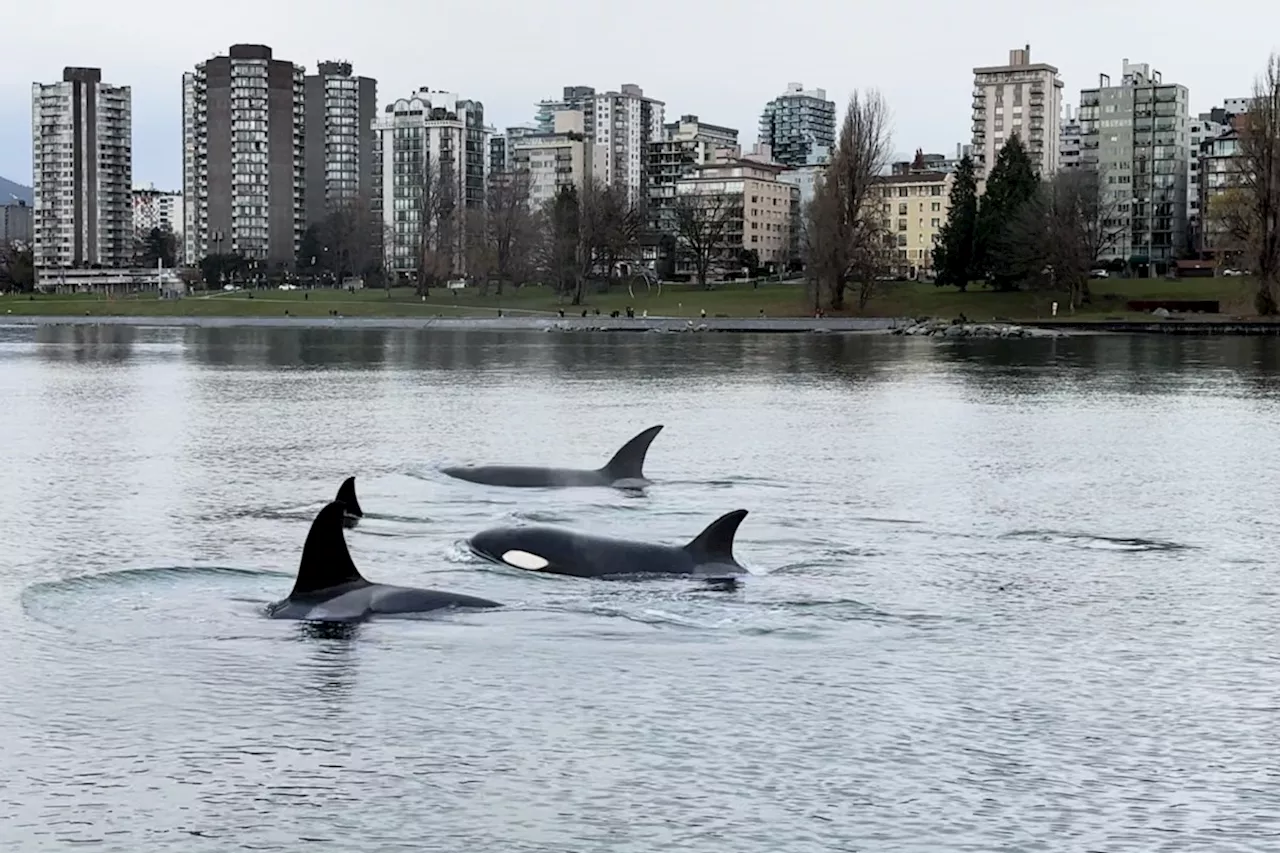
(1010, 595)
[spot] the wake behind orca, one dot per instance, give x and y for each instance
(625, 470)
(559, 551)
(329, 588)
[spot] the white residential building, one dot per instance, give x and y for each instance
(1019, 99)
(82, 156)
(153, 208)
(428, 143)
(244, 160)
(621, 125)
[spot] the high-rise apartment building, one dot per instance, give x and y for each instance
(1135, 135)
(82, 156)
(153, 208)
(764, 212)
(685, 145)
(1021, 99)
(798, 123)
(620, 125)
(1069, 140)
(244, 156)
(501, 145)
(15, 223)
(553, 160)
(340, 111)
(1200, 130)
(431, 151)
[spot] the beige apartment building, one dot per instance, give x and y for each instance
(765, 209)
(913, 211)
(560, 157)
(1021, 99)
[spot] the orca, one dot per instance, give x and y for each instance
(351, 513)
(329, 588)
(624, 471)
(558, 551)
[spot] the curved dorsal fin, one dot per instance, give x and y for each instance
(326, 562)
(715, 544)
(628, 463)
(347, 495)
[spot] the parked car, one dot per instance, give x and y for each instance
(1098, 273)
(1232, 272)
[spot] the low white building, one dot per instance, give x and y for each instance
(113, 281)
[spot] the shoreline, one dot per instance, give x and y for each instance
(732, 325)
(791, 325)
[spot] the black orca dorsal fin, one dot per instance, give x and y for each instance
(628, 463)
(326, 562)
(347, 494)
(715, 544)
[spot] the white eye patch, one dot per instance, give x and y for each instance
(525, 560)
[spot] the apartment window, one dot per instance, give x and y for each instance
(936, 207)
(935, 223)
(935, 190)
(902, 209)
(902, 225)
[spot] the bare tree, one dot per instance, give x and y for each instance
(701, 221)
(353, 235)
(844, 232)
(1228, 224)
(1059, 236)
(1258, 176)
(478, 251)
(617, 223)
(438, 226)
(512, 227)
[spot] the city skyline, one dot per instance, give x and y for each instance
(925, 75)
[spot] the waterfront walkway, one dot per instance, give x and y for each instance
(521, 323)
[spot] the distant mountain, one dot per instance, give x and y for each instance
(10, 192)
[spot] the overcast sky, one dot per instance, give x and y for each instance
(719, 60)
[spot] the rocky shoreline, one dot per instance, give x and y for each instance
(957, 329)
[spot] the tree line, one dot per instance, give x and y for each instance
(1025, 232)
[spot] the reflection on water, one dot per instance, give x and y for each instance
(1007, 594)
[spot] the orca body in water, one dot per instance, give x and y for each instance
(555, 550)
(351, 513)
(624, 471)
(329, 588)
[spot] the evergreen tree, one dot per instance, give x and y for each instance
(159, 246)
(953, 257)
(1012, 184)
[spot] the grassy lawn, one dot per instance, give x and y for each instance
(736, 300)
(892, 299)
(914, 299)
